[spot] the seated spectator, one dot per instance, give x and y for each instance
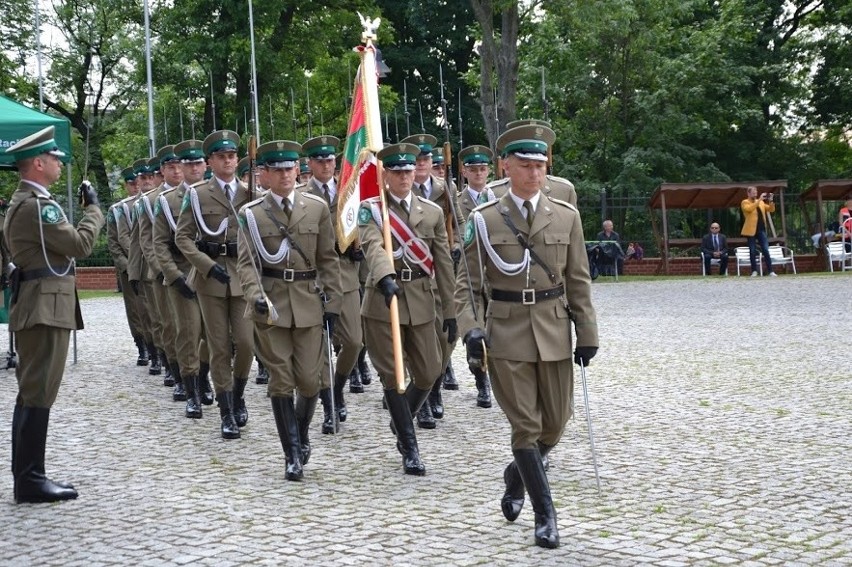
(715, 245)
(634, 251)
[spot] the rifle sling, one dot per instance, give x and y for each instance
(288, 235)
(523, 242)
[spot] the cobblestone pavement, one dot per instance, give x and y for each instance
(721, 410)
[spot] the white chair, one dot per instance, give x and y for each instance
(836, 252)
(744, 259)
(713, 262)
(781, 258)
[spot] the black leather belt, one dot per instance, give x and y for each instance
(289, 275)
(216, 249)
(42, 273)
(406, 275)
(527, 296)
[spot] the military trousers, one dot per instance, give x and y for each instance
(446, 347)
(144, 315)
(420, 350)
(168, 325)
(227, 330)
(152, 312)
(42, 352)
(348, 333)
(187, 316)
(130, 306)
(537, 398)
(293, 356)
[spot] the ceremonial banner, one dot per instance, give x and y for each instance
(358, 177)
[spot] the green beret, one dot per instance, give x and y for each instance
(42, 142)
(208, 173)
(399, 157)
(278, 154)
(221, 141)
(527, 142)
(474, 155)
(321, 147)
(423, 141)
(128, 174)
(166, 154)
(528, 122)
(190, 151)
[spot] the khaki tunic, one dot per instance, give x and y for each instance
(417, 305)
(138, 269)
(292, 348)
(46, 309)
(119, 259)
(222, 306)
(530, 359)
(555, 187)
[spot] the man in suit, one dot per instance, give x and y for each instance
(289, 245)
(715, 246)
(410, 278)
(44, 306)
(206, 234)
(535, 270)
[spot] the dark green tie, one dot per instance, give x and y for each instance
(285, 205)
(530, 214)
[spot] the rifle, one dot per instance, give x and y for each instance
(293, 112)
(459, 165)
(407, 114)
(310, 116)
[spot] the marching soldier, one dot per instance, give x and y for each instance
(439, 167)
(348, 333)
(115, 221)
(556, 187)
(206, 234)
(477, 166)
(304, 171)
(421, 234)
(535, 269)
(44, 306)
(288, 241)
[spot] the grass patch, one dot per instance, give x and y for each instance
(781, 412)
(704, 403)
(604, 533)
(96, 294)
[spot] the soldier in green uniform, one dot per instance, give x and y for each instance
(430, 187)
(206, 234)
(287, 246)
(44, 308)
(535, 269)
(320, 152)
(304, 171)
(116, 245)
(422, 256)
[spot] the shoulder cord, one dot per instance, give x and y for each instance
(404, 252)
(199, 220)
(127, 214)
(288, 236)
(148, 210)
(523, 242)
(44, 249)
(503, 266)
(283, 250)
(167, 212)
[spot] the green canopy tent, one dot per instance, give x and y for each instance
(18, 121)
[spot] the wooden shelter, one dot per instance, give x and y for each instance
(709, 196)
(825, 190)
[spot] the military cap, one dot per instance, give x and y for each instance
(399, 157)
(526, 142)
(303, 165)
(321, 147)
(42, 142)
(208, 173)
(154, 164)
(128, 174)
(528, 122)
(243, 167)
(438, 156)
(475, 155)
(279, 154)
(423, 141)
(190, 151)
(166, 154)
(221, 141)
(140, 166)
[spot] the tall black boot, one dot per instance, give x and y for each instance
(142, 360)
(15, 416)
(304, 414)
(230, 429)
(530, 466)
(339, 402)
(400, 413)
(288, 433)
(417, 405)
(450, 382)
(240, 410)
(436, 403)
(355, 385)
(193, 397)
(155, 369)
(31, 482)
(483, 387)
(513, 498)
(329, 416)
(262, 372)
(179, 393)
(207, 396)
(364, 368)
(168, 377)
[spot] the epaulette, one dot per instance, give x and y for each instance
(251, 204)
(486, 205)
(199, 183)
(300, 185)
(313, 197)
(560, 179)
(497, 182)
(428, 202)
(128, 199)
(169, 190)
(564, 203)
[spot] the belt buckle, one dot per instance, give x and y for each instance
(223, 249)
(528, 297)
(289, 275)
(405, 274)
